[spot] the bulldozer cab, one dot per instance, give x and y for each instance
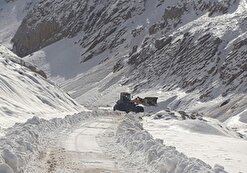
(125, 96)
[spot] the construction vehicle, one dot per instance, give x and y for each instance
(126, 104)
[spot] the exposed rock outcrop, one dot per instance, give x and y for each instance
(50, 21)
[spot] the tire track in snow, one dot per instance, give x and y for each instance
(80, 151)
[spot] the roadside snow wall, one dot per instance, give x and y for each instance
(160, 158)
(22, 141)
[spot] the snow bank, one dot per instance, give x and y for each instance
(189, 122)
(23, 141)
(208, 140)
(160, 158)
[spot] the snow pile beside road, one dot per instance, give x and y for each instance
(204, 138)
(24, 141)
(161, 158)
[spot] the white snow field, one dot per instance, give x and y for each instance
(204, 138)
(25, 93)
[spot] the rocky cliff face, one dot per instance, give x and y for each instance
(198, 54)
(50, 21)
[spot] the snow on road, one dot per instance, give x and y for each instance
(78, 149)
(88, 152)
(91, 142)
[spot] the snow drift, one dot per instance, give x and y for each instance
(161, 158)
(200, 137)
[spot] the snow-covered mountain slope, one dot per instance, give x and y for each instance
(25, 93)
(11, 14)
(61, 60)
(194, 50)
(50, 21)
